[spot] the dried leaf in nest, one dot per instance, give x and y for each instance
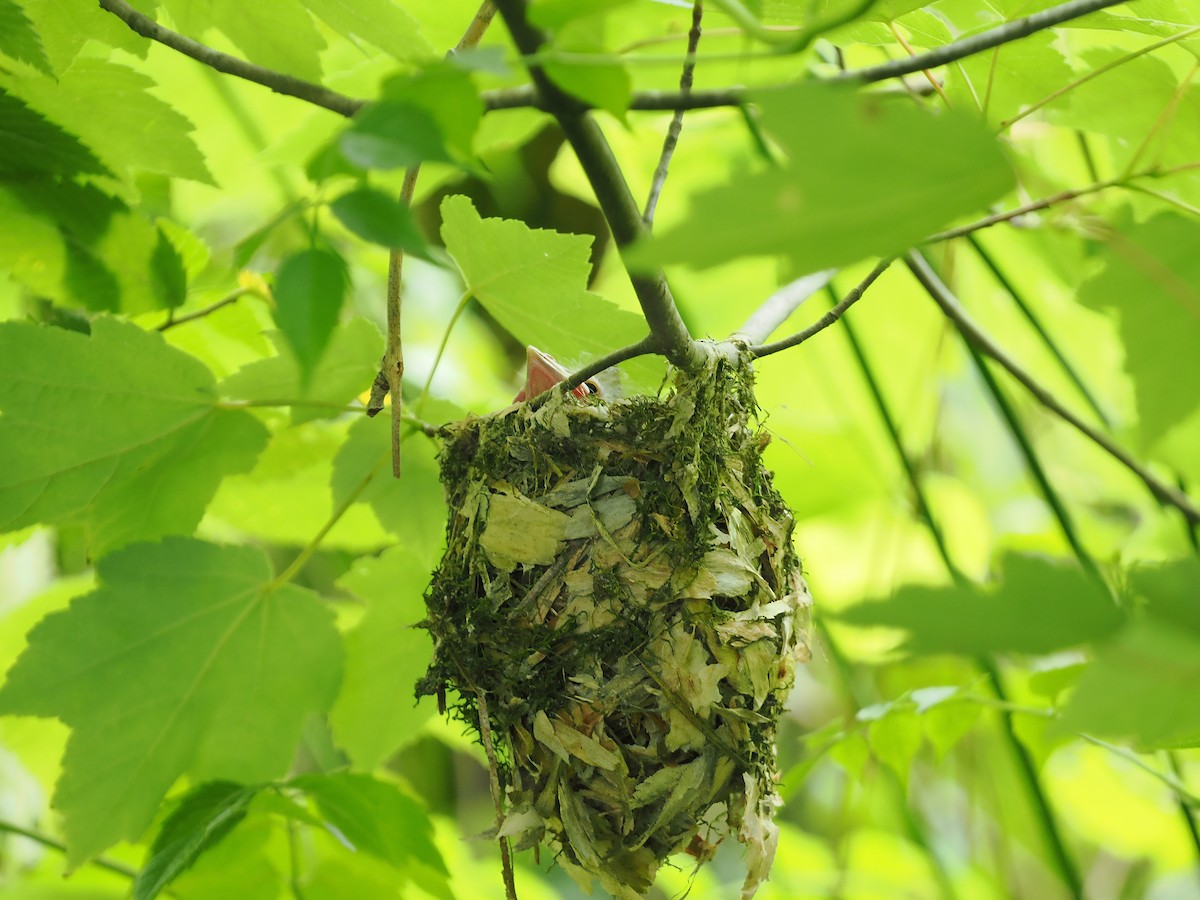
(620, 582)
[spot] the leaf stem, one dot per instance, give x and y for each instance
(826, 320)
(231, 65)
(970, 330)
(676, 126)
(50, 843)
(227, 300)
(304, 555)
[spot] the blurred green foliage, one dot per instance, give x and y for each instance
(208, 577)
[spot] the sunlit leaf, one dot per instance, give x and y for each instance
(136, 129)
(876, 177)
(345, 370)
(383, 23)
(392, 135)
(1038, 607)
(116, 429)
(376, 217)
(447, 93)
(377, 711)
(32, 145)
(18, 39)
(1151, 279)
(200, 820)
(375, 817)
(534, 282)
(150, 671)
(309, 289)
(280, 36)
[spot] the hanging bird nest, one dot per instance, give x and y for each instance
(620, 584)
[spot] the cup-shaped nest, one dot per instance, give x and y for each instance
(620, 585)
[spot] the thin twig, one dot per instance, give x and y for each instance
(611, 190)
(50, 843)
(977, 43)
(231, 65)
(1035, 323)
(393, 354)
(676, 126)
(1122, 181)
(976, 335)
(826, 320)
(643, 347)
(526, 95)
(233, 297)
(485, 734)
(1096, 73)
(1163, 118)
(777, 308)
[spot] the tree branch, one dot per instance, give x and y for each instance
(970, 330)
(230, 298)
(977, 43)
(611, 190)
(777, 308)
(527, 95)
(672, 138)
(826, 320)
(46, 841)
(643, 347)
(231, 65)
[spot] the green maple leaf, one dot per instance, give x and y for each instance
(534, 282)
(186, 659)
(117, 430)
(110, 107)
(874, 178)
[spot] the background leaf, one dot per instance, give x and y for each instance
(117, 430)
(892, 175)
(309, 289)
(377, 710)
(200, 820)
(376, 818)
(18, 39)
(1038, 607)
(150, 671)
(384, 220)
(1151, 278)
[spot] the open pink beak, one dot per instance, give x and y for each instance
(543, 372)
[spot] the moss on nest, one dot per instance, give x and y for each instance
(620, 582)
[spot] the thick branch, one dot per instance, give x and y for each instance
(231, 65)
(611, 190)
(829, 318)
(976, 43)
(776, 309)
(983, 342)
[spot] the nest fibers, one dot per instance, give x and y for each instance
(620, 584)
